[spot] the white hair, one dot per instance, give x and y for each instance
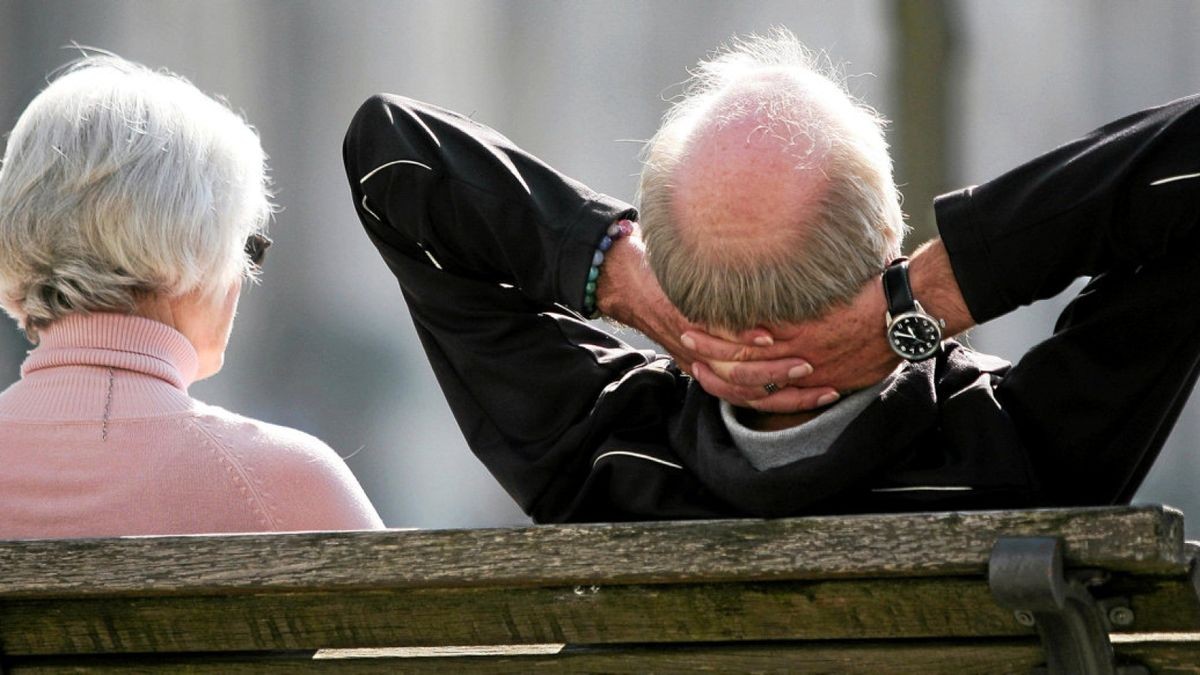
(855, 227)
(119, 181)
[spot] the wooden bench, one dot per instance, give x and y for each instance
(917, 593)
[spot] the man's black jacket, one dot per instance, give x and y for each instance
(492, 248)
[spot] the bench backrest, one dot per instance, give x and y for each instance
(900, 589)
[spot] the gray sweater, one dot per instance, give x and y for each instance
(770, 449)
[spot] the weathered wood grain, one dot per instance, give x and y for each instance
(900, 658)
(749, 588)
(983, 657)
(1163, 654)
(1145, 539)
(469, 616)
(789, 610)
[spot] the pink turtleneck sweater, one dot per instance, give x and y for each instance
(100, 438)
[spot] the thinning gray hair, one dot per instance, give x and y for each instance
(855, 227)
(118, 181)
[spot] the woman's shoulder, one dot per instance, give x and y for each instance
(304, 482)
(256, 436)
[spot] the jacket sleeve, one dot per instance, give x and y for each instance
(1120, 196)
(443, 187)
(492, 250)
(1096, 400)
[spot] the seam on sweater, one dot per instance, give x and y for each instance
(234, 467)
(264, 493)
(6, 418)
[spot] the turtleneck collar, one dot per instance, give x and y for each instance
(116, 341)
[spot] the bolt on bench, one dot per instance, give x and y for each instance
(1102, 590)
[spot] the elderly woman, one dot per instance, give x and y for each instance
(132, 209)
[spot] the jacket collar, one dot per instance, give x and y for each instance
(881, 436)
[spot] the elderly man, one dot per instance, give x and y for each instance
(811, 368)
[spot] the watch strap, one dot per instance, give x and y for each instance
(896, 287)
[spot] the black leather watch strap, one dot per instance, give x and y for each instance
(896, 288)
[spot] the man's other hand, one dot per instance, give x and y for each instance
(846, 347)
(628, 293)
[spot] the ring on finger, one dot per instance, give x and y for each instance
(771, 387)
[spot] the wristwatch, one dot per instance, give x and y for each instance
(911, 332)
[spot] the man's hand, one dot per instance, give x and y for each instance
(628, 292)
(846, 346)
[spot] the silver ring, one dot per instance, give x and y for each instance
(771, 387)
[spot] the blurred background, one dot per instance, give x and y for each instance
(325, 343)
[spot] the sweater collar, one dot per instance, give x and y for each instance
(116, 341)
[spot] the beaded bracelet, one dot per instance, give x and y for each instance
(621, 228)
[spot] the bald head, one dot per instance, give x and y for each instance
(766, 195)
(746, 180)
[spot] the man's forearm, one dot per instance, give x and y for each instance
(935, 286)
(627, 292)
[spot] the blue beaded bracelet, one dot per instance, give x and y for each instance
(622, 228)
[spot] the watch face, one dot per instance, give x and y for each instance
(915, 336)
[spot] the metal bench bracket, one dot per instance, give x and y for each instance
(1026, 576)
(1194, 575)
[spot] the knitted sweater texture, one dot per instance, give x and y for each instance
(99, 437)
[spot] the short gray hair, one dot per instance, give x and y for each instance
(120, 181)
(855, 228)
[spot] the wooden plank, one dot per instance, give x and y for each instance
(984, 657)
(1158, 604)
(852, 609)
(467, 616)
(1146, 539)
(899, 658)
(1162, 653)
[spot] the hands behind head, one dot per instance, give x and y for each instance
(844, 350)
(810, 362)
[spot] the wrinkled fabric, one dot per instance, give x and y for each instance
(99, 437)
(491, 248)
